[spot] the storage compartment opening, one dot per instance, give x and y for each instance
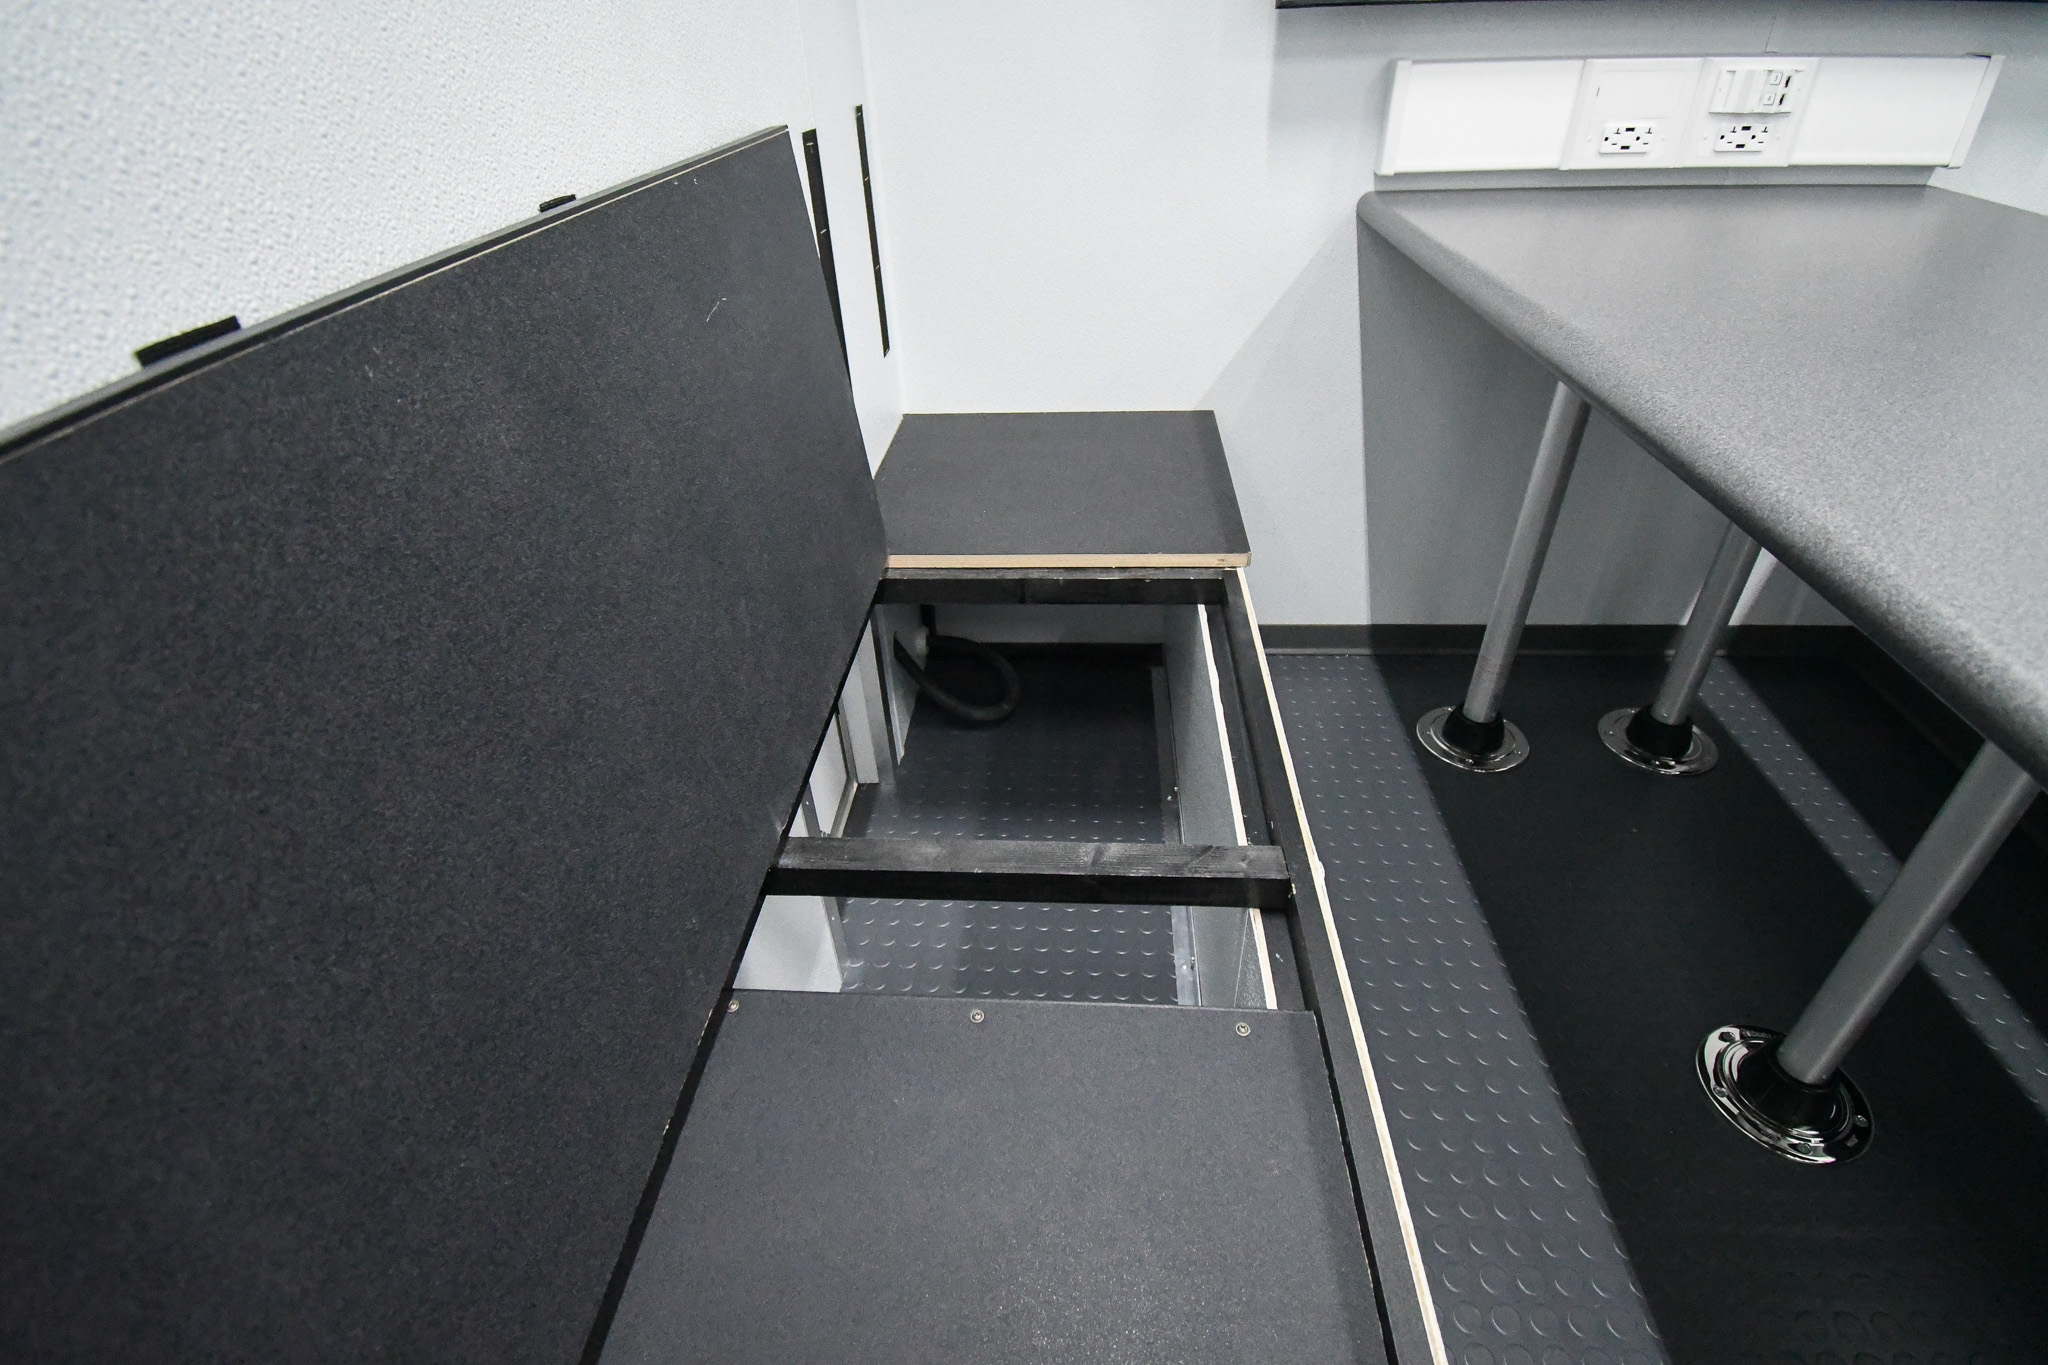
(1119, 736)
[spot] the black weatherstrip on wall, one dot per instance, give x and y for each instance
(867, 193)
(815, 170)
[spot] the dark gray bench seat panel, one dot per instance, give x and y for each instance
(882, 1178)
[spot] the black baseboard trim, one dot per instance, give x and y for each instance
(1825, 642)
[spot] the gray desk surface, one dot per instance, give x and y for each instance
(1059, 490)
(1857, 375)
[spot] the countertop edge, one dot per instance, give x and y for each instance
(1993, 691)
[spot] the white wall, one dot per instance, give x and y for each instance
(167, 164)
(1085, 203)
(1148, 203)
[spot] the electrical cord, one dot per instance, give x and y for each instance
(959, 647)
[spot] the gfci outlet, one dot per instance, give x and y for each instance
(1621, 139)
(1748, 110)
(1742, 137)
(1630, 112)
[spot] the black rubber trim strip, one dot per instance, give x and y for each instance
(814, 171)
(867, 193)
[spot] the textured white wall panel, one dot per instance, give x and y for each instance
(167, 164)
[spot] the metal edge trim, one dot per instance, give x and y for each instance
(1417, 1271)
(1236, 802)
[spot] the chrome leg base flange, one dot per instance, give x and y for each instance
(1514, 746)
(1699, 757)
(1843, 1134)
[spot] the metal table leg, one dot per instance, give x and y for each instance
(1789, 1093)
(1660, 737)
(1474, 735)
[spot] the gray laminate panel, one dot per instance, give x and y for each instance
(1857, 374)
(886, 1179)
(1018, 487)
(400, 706)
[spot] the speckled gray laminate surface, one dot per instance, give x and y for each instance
(1856, 374)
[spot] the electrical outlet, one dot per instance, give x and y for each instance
(1743, 137)
(1627, 138)
(1630, 113)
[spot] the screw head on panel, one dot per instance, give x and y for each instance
(732, 1007)
(975, 1016)
(1244, 1030)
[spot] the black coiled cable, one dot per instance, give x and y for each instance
(958, 647)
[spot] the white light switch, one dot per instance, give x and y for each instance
(1755, 89)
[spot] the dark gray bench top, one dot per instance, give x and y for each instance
(891, 1179)
(1057, 490)
(1857, 375)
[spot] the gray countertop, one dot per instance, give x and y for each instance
(1858, 375)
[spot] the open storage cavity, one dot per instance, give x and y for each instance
(1120, 735)
(938, 1095)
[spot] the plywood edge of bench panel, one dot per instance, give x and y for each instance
(1071, 561)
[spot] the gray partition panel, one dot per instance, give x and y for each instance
(892, 1179)
(401, 705)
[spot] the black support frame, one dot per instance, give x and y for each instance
(1056, 872)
